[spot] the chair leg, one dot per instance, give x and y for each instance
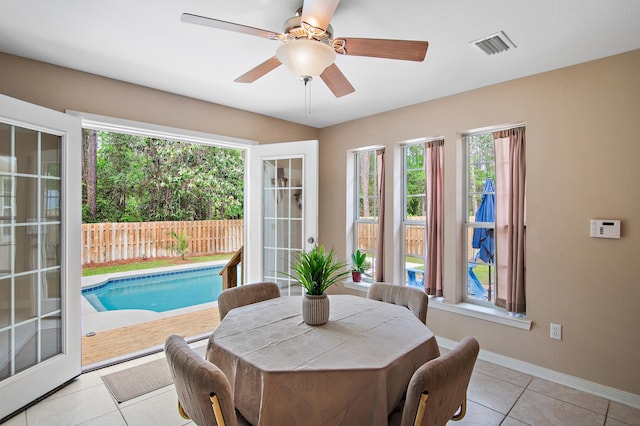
(182, 412)
(463, 410)
(217, 411)
(422, 406)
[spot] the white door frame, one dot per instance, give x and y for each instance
(28, 385)
(308, 151)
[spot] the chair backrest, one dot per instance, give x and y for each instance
(413, 298)
(444, 380)
(246, 295)
(197, 381)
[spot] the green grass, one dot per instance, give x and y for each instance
(482, 272)
(417, 260)
(147, 264)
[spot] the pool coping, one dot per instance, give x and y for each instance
(94, 321)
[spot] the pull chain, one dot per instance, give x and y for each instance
(307, 95)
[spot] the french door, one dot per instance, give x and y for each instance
(281, 210)
(40, 206)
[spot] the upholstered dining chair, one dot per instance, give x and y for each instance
(246, 295)
(437, 391)
(415, 299)
(204, 393)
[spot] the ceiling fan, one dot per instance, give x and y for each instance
(309, 49)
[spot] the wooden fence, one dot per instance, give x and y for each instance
(106, 242)
(414, 238)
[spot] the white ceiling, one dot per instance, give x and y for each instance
(144, 42)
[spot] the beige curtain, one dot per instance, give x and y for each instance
(434, 174)
(379, 272)
(510, 219)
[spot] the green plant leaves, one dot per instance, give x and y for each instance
(316, 270)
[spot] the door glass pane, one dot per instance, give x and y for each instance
(270, 270)
(50, 200)
(26, 247)
(50, 245)
(50, 155)
(30, 248)
(26, 297)
(26, 341)
(51, 291)
(5, 303)
(7, 200)
(6, 160)
(51, 337)
(26, 149)
(5, 354)
(26, 196)
(282, 222)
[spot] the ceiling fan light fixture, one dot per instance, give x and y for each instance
(306, 58)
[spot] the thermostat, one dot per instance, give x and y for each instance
(605, 228)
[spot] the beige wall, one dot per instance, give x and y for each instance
(583, 162)
(64, 89)
(583, 156)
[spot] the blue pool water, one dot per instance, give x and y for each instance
(157, 292)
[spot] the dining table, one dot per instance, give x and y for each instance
(353, 370)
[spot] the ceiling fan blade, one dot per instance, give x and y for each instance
(318, 13)
(257, 72)
(336, 81)
(224, 25)
(408, 50)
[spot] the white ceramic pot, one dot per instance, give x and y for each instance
(315, 309)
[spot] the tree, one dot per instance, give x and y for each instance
(150, 179)
(416, 192)
(89, 174)
(365, 176)
(481, 166)
(119, 177)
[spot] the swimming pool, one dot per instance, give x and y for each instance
(158, 292)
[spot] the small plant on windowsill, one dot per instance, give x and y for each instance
(359, 265)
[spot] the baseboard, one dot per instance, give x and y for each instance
(613, 394)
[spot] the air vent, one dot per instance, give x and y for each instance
(494, 43)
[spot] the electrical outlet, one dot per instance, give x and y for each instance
(555, 331)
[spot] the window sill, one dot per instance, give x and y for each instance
(361, 286)
(481, 312)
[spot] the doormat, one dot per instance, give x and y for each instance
(139, 380)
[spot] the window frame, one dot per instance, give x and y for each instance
(470, 226)
(405, 222)
(369, 275)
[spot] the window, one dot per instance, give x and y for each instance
(495, 220)
(414, 216)
(367, 206)
(423, 215)
(480, 218)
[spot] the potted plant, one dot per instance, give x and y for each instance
(359, 265)
(316, 270)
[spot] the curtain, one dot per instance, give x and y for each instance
(379, 272)
(434, 176)
(510, 219)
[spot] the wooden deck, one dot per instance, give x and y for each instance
(118, 342)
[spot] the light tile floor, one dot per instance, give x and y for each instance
(496, 395)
